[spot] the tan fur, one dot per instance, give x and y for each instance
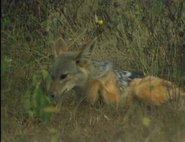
(108, 88)
(154, 90)
(93, 90)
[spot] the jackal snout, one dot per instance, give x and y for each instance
(65, 82)
(70, 69)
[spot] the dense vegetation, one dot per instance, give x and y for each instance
(140, 35)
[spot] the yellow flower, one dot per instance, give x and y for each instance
(100, 22)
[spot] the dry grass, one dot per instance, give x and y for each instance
(146, 36)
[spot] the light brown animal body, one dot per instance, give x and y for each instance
(90, 79)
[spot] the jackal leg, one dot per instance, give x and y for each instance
(109, 90)
(92, 93)
(107, 87)
(110, 95)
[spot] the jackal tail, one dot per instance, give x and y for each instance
(154, 90)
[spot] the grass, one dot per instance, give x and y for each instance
(145, 36)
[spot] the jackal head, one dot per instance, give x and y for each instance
(70, 69)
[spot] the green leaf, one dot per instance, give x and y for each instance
(37, 113)
(7, 59)
(36, 81)
(37, 97)
(45, 101)
(44, 23)
(137, 9)
(41, 101)
(7, 21)
(48, 82)
(45, 73)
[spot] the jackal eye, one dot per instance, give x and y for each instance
(63, 76)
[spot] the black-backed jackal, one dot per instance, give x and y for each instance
(90, 78)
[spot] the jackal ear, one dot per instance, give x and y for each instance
(59, 47)
(84, 56)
